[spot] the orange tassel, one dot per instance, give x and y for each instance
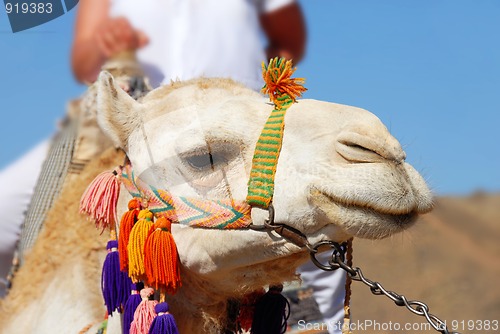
(135, 247)
(126, 224)
(160, 258)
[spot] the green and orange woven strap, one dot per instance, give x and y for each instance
(283, 92)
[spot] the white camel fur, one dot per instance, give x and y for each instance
(340, 174)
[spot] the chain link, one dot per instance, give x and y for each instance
(338, 261)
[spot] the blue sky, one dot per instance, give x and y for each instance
(429, 69)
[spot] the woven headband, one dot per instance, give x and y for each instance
(219, 214)
(99, 200)
(227, 213)
(145, 250)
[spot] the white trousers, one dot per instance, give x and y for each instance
(328, 291)
(18, 182)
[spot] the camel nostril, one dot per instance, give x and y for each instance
(355, 152)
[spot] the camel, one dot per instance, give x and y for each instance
(340, 174)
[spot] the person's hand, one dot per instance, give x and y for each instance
(117, 35)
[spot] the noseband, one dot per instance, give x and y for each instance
(229, 213)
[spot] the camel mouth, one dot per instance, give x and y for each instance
(359, 220)
(401, 205)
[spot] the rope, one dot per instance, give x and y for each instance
(347, 300)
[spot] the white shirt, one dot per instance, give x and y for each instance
(193, 38)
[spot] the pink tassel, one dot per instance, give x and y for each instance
(100, 198)
(144, 314)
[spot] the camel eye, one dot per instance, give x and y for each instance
(206, 161)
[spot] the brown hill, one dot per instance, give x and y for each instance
(450, 260)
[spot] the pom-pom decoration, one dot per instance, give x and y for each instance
(279, 82)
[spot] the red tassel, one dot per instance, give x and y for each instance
(126, 223)
(160, 258)
(247, 309)
(100, 198)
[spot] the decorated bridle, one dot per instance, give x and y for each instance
(145, 250)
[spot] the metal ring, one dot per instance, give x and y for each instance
(270, 221)
(338, 255)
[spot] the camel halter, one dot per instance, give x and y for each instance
(147, 251)
(229, 213)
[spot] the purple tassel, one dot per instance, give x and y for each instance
(271, 312)
(115, 285)
(133, 301)
(164, 323)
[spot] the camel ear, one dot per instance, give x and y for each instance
(117, 112)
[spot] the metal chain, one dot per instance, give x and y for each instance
(338, 261)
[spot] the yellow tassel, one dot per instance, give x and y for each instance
(135, 248)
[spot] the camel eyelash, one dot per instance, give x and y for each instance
(209, 157)
(205, 161)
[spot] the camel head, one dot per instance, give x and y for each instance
(340, 172)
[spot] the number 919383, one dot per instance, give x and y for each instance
(475, 325)
(28, 8)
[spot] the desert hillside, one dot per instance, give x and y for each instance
(450, 260)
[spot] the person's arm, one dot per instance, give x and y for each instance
(99, 37)
(286, 32)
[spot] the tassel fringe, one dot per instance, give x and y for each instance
(135, 247)
(271, 312)
(115, 284)
(144, 314)
(100, 198)
(161, 259)
(164, 323)
(126, 224)
(278, 81)
(132, 303)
